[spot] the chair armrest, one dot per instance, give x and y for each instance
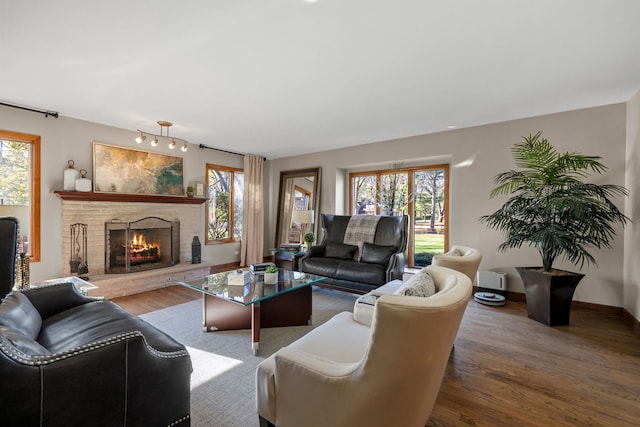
(301, 377)
(315, 366)
(54, 298)
(396, 265)
(125, 368)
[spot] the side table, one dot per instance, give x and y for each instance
(286, 260)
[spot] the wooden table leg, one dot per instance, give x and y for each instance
(255, 328)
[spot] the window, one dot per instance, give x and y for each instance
(20, 186)
(225, 187)
(420, 192)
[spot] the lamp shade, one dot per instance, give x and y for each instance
(303, 217)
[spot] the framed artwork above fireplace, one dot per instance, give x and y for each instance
(124, 170)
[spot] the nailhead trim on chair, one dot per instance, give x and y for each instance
(176, 422)
(26, 359)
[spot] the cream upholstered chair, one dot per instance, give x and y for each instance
(460, 258)
(345, 373)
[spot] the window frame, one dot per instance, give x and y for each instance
(34, 186)
(410, 205)
(232, 220)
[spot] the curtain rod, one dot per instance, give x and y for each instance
(46, 113)
(202, 147)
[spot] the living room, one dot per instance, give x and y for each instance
(475, 151)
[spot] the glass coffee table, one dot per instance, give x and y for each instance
(254, 304)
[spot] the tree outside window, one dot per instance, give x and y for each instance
(419, 192)
(14, 179)
(225, 188)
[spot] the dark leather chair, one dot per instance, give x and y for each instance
(9, 230)
(68, 360)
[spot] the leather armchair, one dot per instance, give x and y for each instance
(68, 360)
(460, 258)
(345, 373)
(8, 252)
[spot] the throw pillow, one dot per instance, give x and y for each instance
(420, 284)
(340, 250)
(454, 252)
(377, 254)
(17, 312)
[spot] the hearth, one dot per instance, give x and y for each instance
(145, 244)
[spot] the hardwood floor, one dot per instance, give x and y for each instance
(146, 302)
(508, 370)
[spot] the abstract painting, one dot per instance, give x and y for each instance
(128, 171)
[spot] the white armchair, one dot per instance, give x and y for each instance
(345, 373)
(460, 258)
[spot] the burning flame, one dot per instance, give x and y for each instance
(139, 244)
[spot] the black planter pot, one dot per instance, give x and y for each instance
(549, 295)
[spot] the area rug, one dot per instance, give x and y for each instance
(223, 379)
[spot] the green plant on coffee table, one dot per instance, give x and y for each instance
(309, 237)
(271, 269)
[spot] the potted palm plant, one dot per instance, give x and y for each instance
(551, 208)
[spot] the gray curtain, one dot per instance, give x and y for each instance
(252, 245)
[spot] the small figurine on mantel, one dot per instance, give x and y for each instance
(83, 183)
(70, 176)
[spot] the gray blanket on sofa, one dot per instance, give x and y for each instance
(360, 229)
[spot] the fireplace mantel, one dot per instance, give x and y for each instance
(82, 196)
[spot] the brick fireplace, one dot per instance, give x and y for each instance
(98, 209)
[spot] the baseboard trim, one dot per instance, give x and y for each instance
(631, 321)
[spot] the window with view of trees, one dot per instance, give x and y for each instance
(225, 187)
(420, 192)
(20, 186)
(14, 180)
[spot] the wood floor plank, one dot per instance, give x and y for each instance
(508, 370)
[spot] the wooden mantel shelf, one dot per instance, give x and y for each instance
(81, 196)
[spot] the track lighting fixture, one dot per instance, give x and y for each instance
(155, 140)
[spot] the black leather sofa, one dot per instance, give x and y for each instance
(379, 262)
(69, 360)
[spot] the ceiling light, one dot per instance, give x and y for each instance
(155, 140)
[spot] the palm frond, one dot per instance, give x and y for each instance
(551, 208)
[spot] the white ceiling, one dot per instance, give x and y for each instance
(284, 77)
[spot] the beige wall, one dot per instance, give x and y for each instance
(632, 232)
(476, 155)
(67, 138)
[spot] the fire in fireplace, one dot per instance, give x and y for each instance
(141, 252)
(145, 244)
